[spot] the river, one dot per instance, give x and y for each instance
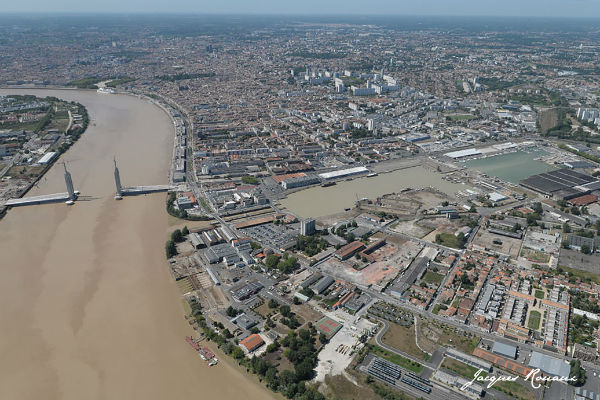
(318, 201)
(89, 309)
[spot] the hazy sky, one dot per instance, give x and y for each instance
(543, 8)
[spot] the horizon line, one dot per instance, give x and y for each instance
(279, 14)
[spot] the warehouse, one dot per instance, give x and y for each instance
(349, 250)
(343, 173)
(463, 153)
(197, 241)
(560, 184)
(505, 350)
(550, 365)
(246, 291)
(323, 284)
(47, 158)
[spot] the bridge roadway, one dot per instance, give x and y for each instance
(43, 199)
(136, 190)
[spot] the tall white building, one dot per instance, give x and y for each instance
(307, 227)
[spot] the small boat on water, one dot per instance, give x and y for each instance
(327, 184)
(214, 361)
(372, 174)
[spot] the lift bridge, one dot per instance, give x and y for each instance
(71, 195)
(135, 190)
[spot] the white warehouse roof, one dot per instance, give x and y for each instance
(46, 158)
(463, 153)
(343, 172)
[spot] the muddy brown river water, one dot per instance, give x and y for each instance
(88, 309)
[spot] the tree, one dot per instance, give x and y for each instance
(185, 231)
(273, 303)
(237, 353)
(271, 378)
(285, 310)
(585, 249)
(304, 370)
(323, 338)
(171, 249)
(577, 372)
(176, 236)
(271, 261)
(231, 312)
(273, 347)
(566, 228)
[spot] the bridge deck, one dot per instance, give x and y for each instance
(46, 198)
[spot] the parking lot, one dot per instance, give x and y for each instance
(276, 237)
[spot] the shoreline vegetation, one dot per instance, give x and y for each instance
(299, 347)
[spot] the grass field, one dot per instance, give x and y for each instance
(432, 334)
(548, 119)
(534, 320)
(462, 369)
(448, 239)
(433, 278)
(539, 294)
(403, 338)
(398, 360)
(582, 274)
(515, 390)
(264, 309)
(340, 388)
(22, 171)
(536, 256)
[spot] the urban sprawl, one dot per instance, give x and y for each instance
(452, 225)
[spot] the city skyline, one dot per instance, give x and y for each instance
(472, 8)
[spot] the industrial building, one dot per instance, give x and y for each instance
(505, 350)
(246, 291)
(343, 173)
(349, 250)
(197, 241)
(562, 184)
(469, 359)
(549, 365)
(323, 284)
(47, 158)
